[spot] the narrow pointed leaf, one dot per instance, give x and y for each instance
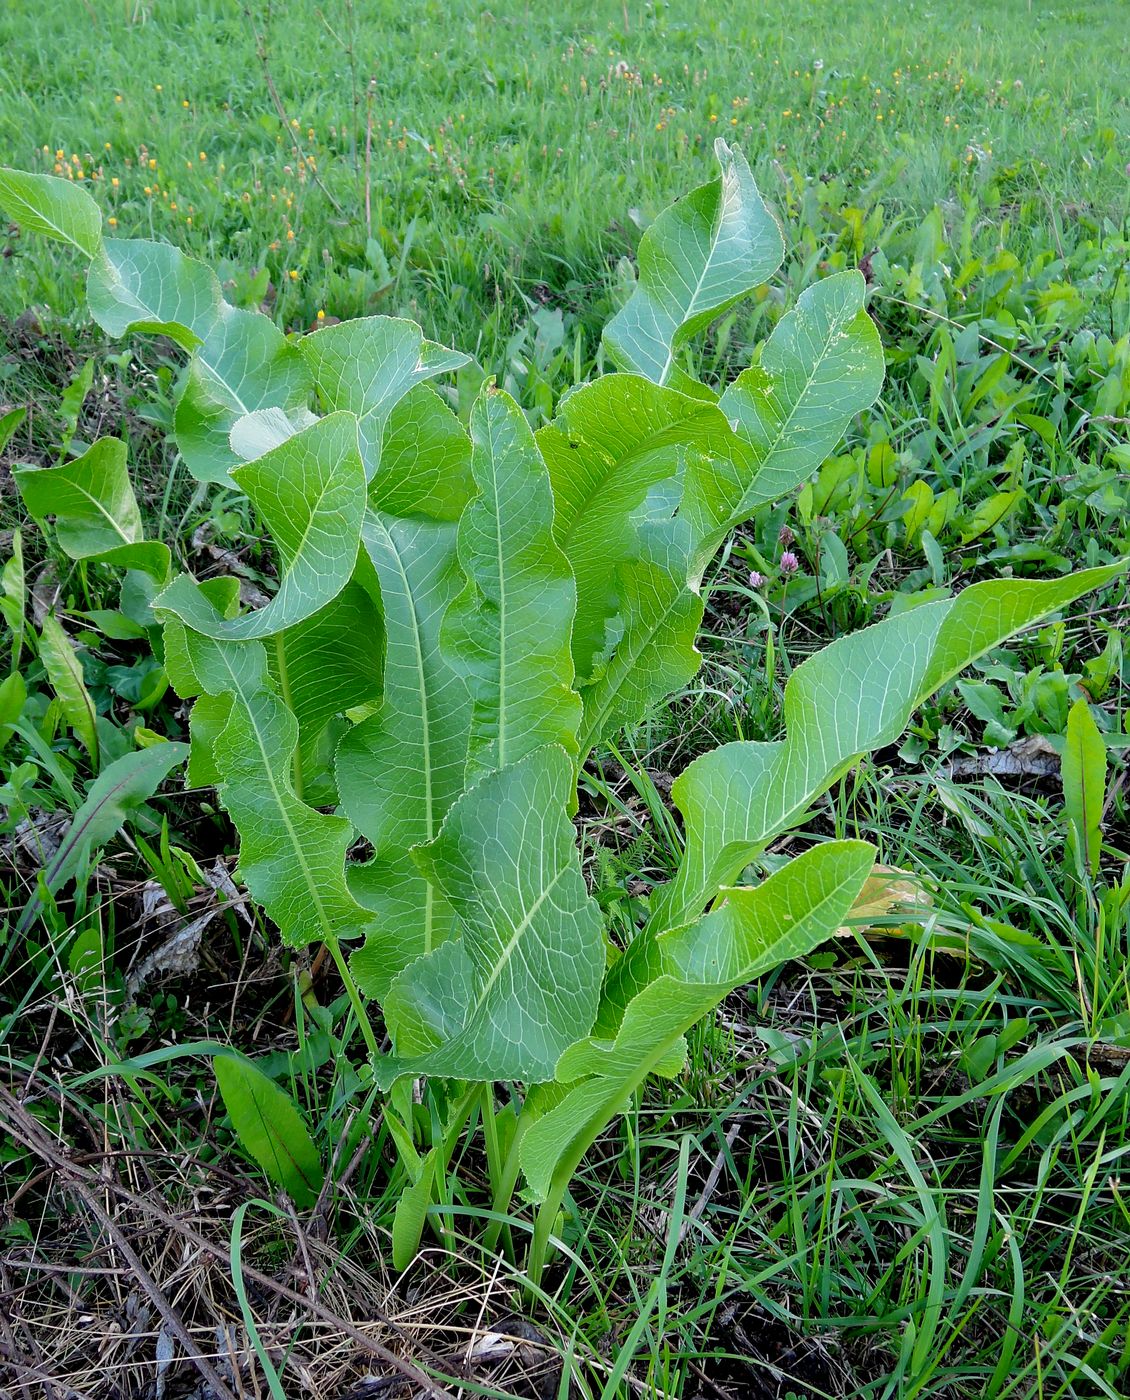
(411, 1214)
(13, 597)
(508, 632)
(120, 789)
(268, 1124)
(822, 365)
(400, 770)
(368, 365)
(700, 256)
(505, 999)
(96, 513)
(49, 205)
(64, 672)
(1084, 783)
(311, 495)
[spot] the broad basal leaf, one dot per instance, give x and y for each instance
(822, 365)
(656, 653)
(291, 857)
(504, 1000)
(611, 443)
(852, 697)
(244, 365)
(400, 770)
(52, 206)
(700, 256)
(752, 932)
(508, 631)
(96, 513)
(310, 493)
(368, 365)
(136, 285)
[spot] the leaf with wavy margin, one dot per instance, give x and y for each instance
(822, 365)
(508, 631)
(610, 445)
(752, 932)
(368, 365)
(852, 697)
(701, 255)
(504, 1000)
(96, 513)
(291, 857)
(311, 495)
(400, 770)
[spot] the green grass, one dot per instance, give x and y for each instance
(900, 1166)
(513, 152)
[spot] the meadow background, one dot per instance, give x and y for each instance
(922, 1132)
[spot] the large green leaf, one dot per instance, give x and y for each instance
(611, 443)
(400, 770)
(504, 1000)
(52, 206)
(368, 365)
(291, 857)
(852, 697)
(698, 258)
(822, 365)
(425, 464)
(136, 285)
(96, 513)
(311, 495)
(269, 1126)
(508, 631)
(752, 932)
(244, 365)
(656, 653)
(330, 662)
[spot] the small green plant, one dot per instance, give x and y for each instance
(464, 613)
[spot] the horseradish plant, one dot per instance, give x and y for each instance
(462, 617)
